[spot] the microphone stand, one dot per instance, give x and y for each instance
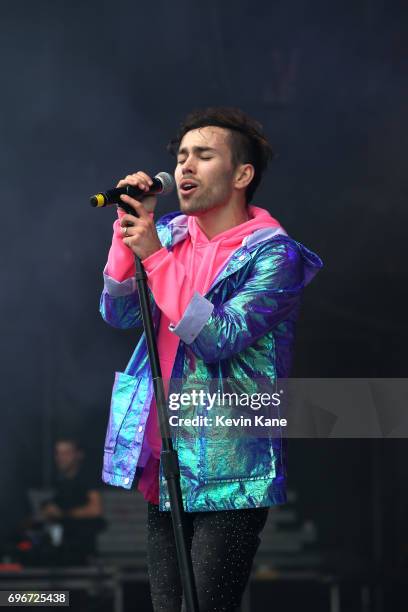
(168, 455)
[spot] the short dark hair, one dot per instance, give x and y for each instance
(75, 442)
(249, 144)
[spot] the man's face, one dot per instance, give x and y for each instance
(67, 456)
(204, 159)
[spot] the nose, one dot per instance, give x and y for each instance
(188, 166)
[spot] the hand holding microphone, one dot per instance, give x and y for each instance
(137, 225)
(134, 185)
(138, 182)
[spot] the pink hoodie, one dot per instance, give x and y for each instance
(173, 277)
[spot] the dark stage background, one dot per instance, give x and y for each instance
(94, 90)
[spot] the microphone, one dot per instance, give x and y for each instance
(163, 183)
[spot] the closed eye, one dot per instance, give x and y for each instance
(181, 161)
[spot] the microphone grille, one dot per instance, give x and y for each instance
(167, 180)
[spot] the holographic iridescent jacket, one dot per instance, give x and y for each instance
(242, 329)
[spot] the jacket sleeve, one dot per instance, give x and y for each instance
(119, 303)
(266, 298)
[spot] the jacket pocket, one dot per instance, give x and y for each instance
(246, 458)
(124, 390)
(238, 459)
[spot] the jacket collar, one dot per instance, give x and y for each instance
(177, 230)
(173, 229)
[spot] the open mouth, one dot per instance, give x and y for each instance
(187, 188)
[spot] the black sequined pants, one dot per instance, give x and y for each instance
(223, 545)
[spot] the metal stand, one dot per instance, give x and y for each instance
(169, 457)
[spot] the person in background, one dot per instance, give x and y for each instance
(76, 505)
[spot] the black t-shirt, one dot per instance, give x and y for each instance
(73, 492)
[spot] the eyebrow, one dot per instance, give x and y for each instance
(184, 150)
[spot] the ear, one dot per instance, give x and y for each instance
(243, 176)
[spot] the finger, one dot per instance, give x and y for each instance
(135, 182)
(130, 202)
(128, 220)
(122, 183)
(146, 177)
(132, 240)
(127, 231)
(125, 217)
(132, 179)
(139, 179)
(136, 205)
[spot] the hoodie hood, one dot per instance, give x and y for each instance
(209, 255)
(174, 227)
(233, 237)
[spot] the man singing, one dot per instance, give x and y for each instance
(225, 285)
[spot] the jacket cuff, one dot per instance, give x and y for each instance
(194, 318)
(115, 288)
